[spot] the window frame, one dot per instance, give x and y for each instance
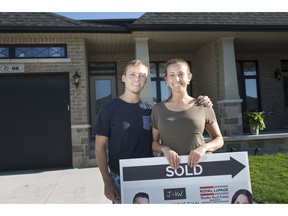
(94, 76)
(241, 77)
(12, 50)
(284, 72)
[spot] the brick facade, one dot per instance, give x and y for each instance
(204, 67)
(76, 60)
(271, 91)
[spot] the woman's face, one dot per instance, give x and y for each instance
(178, 76)
(242, 199)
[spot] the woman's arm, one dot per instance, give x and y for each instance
(170, 155)
(217, 139)
(215, 143)
(156, 146)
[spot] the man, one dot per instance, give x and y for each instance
(125, 123)
(141, 198)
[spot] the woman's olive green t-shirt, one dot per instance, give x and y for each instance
(182, 131)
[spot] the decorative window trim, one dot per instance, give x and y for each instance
(34, 51)
(4, 52)
(102, 68)
(43, 60)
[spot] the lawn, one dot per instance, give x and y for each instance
(269, 178)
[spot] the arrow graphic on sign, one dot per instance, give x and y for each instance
(230, 167)
(210, 168)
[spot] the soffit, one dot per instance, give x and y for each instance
(164, 42)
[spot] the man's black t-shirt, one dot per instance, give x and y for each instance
(128, 128)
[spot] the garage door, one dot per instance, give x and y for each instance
(35, 129)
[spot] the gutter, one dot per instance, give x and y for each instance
(207, 27)
(129, 28)
(62, 29)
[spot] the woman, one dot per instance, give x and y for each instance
(179, 123)
(242, 196)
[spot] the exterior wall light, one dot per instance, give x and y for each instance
(256, 151)
(278, 74)
(76, 78)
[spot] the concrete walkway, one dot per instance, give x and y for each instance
(69, 186)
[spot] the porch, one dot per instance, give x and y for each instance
(265, 143)
(268, 142)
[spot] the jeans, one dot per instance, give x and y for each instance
(116, 181)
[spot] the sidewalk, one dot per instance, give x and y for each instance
(69, 186)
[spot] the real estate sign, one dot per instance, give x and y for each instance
(214, 180)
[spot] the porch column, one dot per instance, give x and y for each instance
(230, 114)
(142, 53)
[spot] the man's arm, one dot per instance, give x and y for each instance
(101, 158)
(205, 100)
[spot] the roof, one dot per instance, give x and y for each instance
(51, 22)
(214, 18)
(36, 19)
(213, 21)
(151, 21)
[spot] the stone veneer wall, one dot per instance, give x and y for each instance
(230, 117)
(80, 145)
(267, 143)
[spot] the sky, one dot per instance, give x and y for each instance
(143, 6)
(100, 15)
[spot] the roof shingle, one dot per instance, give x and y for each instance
(214, 18)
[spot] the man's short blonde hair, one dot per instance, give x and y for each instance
(135, 62)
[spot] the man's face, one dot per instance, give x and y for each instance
(135, 78)
(141, 200)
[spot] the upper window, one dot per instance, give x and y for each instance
(16, 51)
(101, 68)
(248, 85)
(4, 52)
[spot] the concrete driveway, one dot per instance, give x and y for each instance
(74, 186)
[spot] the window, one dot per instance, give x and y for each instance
(102, 68)
(33, 51)
(248, 85)
(285, 80)
(160, 91)
(102, 86)
(4, 52)
(284, 72)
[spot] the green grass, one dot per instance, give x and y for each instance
(269, 177)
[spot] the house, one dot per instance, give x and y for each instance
(240, 60)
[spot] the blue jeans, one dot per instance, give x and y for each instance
(116, 181)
